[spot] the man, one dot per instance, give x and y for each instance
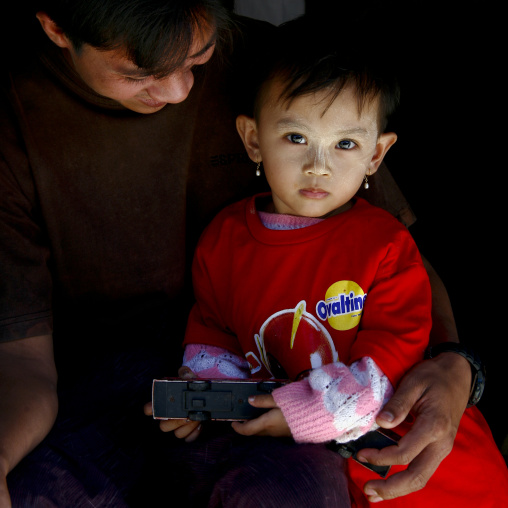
(118, 145)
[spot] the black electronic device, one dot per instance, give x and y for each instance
(208, 399)
(379, 439)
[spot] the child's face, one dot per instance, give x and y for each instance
(316, 162)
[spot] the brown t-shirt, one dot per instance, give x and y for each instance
(100, 206)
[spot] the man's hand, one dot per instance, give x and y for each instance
(5, 499)
(436, 392)
(272, 423)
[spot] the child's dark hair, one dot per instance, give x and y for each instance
(156, 34)
(307, 58)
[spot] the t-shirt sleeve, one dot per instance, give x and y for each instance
(206, 324)
(25, 280)
(396, 319)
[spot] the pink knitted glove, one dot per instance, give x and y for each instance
(334, 402)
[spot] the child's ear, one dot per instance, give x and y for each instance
(246, 127)
(384, 143)
(53, 31)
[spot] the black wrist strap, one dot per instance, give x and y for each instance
(478, 371)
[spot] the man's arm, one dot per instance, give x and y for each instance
(437, 392)
(444, 328)
(28, 400)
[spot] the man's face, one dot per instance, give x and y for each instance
(111, 74)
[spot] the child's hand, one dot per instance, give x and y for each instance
(183, 428)
(186, 373)
(272, 423)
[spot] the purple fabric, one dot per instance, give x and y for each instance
(104, 452)
(101, 446)
(227, 470)
(217, 471)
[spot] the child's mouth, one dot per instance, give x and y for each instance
(314, 193)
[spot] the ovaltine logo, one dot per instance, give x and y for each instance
(343, 305)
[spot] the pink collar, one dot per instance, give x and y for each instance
(279, 221)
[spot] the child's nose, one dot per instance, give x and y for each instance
(317, 164)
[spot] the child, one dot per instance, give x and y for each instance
(313, 284)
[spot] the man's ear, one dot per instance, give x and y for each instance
(246, 127)
(384, 143)
(53, 31)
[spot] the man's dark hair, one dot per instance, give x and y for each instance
(310, 57)
(156, 34)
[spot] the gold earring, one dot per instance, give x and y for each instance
(258, 171)
(366, 182)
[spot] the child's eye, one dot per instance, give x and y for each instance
(346, 144)
(296, 138)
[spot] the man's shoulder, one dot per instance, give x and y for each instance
(231, 218)
(376, 220)
(384, 192)
(233, 211)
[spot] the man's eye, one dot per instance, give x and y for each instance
(296, 138)
(136, 80)
(346, 144)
